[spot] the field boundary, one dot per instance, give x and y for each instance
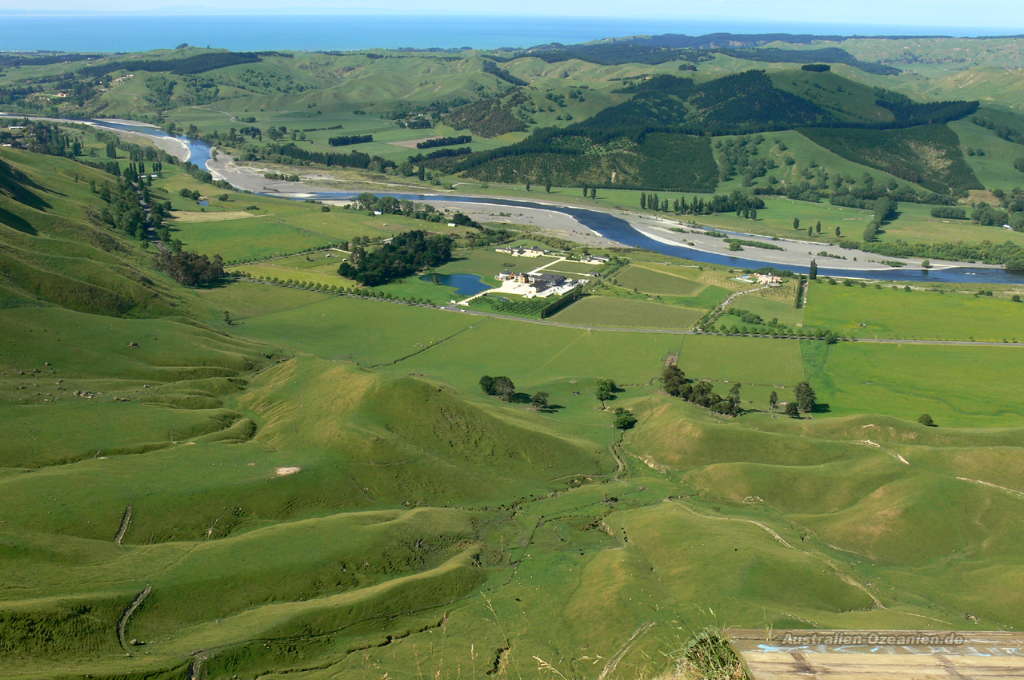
(631, 329)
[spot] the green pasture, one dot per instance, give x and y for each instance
(893, 312)
(657, 282)
(915, 224)
(957, 386)
(598, 310)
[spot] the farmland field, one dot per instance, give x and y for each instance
(893, 312)
(955, 385)
(609, 311)
(656, 282)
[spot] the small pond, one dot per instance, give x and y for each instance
(465, 284)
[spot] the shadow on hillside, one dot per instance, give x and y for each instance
(14, 183)
(16, 222)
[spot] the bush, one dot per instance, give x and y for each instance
(624, 420)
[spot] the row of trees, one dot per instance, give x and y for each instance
(739, 202)
(702, 393)
(444, 141)
(347, 140)
(884, 211)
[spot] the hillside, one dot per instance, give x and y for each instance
(604, 95)
(642, 142)
(279, 472)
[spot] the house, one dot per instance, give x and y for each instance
(595, 259)
(520, 251)
(547, 280)
(768, 279)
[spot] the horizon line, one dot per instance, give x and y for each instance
(999, 33)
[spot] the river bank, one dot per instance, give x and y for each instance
(608, 227)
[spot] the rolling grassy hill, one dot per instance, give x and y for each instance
(320, 488)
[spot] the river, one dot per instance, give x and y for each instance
(620, 230)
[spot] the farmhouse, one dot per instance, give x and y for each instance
(522, 251)
(541, 284)
(768, 279)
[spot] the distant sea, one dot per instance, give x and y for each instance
(109, 33)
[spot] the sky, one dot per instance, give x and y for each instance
(931, 13)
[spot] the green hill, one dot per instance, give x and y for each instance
(261, 479)
(642, 142)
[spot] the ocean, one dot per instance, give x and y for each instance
(110, 33)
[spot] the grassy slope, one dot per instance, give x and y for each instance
(994, 169)
(539, 536)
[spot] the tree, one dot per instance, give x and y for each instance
(817, 227)
(926, 420)
(839, 232)
(527, 185)
(547, 187)
(624, 420)
(504, 387)
(812, 272)
(227, 318)
(805, 397)
(487, 384)
(796, 222)
(539, 401)
(871, 231)
(674, 380)
(606, 389)
(773, 401)
(792, 410)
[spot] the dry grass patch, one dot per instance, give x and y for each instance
(188, 216)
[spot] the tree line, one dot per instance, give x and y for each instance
(739, 202)
(348, 140)
(444, 141)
